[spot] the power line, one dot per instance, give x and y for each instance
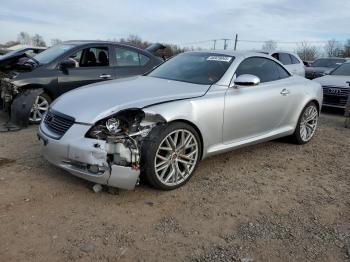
(259, 41)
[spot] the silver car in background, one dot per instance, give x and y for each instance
(161, 125)
(336, 86)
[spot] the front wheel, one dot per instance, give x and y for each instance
(40, 106)
(307, 124)
(171, 155)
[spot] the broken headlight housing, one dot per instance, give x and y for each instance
(123, 123)
(123, 133)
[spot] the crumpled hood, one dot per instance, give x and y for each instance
(16, 61)
(333, 80)
(93, 102)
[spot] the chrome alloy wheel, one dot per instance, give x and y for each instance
(308, 123)
(176, 157)
(40, 106)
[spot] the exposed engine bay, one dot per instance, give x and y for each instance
(124, 134)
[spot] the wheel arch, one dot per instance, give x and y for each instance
(195, 127)
(317, 104)
(36, 86)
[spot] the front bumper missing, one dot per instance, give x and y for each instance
(75, 154)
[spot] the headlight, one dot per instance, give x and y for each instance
(113, 125)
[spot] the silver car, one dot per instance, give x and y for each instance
(161, 125)
(336, 86)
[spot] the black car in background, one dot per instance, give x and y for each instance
(322, 66)
(30, 85)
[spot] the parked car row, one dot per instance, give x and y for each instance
(161, 123)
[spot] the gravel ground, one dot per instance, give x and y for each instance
(270, 202)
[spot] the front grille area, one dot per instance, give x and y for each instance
(58, 123)
(335, 96)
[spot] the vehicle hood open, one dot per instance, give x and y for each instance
(94, 102)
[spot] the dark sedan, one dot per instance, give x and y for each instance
(322, 66)
(30, 85)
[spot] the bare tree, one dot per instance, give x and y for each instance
(333, 48)
(307, 52)
(269, 46)
(38, 40)
(11, 43)
(346, 49)
(55, 41)
(24, 38)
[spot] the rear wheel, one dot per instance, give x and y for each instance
(171, 155)
(40, 106)
(307, 124)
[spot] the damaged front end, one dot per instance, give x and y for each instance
(110, 151)
(14, 100)
(124, 134)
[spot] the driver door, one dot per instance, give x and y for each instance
(252, 111)
(91, 65)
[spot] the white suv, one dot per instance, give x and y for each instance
(291, 61)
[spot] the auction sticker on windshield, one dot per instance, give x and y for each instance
(220, 58)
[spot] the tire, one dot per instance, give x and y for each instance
(305, 131)
(36, 113)
(166, 166)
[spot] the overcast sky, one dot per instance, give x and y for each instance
(179, 22)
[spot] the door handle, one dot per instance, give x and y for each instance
(104, 76)
(285, 92)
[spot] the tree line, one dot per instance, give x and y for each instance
(305, 50)
(308, 52)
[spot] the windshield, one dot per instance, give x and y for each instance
(343, 70)
(197, 67)
(52, 53)
(324, 62)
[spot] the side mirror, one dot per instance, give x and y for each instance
(66, 64)
(246, 80)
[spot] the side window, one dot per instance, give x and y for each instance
(143, 59)
(30, 52)
(263, 68)
(282, 72)
(127, 57)
(285, 58)
(91, 57)
(294, 59)
(76, 57)
(276, 56)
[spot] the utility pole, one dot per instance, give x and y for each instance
(236, 40)
(225, 43)
(214, 43)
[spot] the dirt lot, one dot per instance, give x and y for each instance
(270, 202)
